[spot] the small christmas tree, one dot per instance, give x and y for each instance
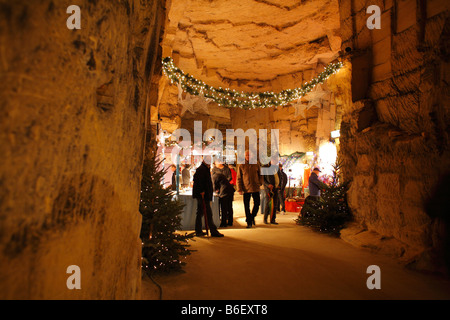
(162, 246)
(330, 212)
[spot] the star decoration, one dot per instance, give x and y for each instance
(187, 103)
(202, 104)
(316, 96)
(300, 109)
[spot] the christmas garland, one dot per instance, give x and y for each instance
(231, 98)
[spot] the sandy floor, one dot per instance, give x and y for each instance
(287, 262)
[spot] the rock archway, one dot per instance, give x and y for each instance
(79, 109)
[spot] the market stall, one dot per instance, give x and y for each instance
(186, 166)
(190, 210)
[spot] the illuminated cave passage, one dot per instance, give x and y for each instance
(85, 105)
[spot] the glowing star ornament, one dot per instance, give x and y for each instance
(202, 104)
(300, 109)
(316, 96)
(187, 103)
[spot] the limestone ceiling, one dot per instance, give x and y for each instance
(251, 44)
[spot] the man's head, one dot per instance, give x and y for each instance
(173, 167)
(316, 170)
(247, 155)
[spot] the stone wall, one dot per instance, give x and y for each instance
(296, 133)
(250, 46)
(72, 143)
(394, 135)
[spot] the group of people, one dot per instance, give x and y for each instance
(247, 181)
(185, 176)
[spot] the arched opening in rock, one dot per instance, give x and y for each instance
(373, 104)
(81, 109)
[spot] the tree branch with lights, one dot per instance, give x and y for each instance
(163, 247)
(330, 212)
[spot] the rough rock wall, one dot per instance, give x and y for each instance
(72, 138)
(250, 46)
(296, 133)
(394, 135)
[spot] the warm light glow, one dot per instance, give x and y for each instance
(310, 153)
(327, 155)
(335, 134)
(247, 100)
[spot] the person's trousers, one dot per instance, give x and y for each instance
(201, 206)
(250, 215)
(263, 196)
(226, 208)
(267, 211)
(281, 199)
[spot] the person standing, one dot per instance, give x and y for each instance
(222, 177)
(233, 175)
(185, 176)
(225, 191)
(202, 190)
(220, 167)
(173, 185)
(281, 196)
(272, 188)
(249, 181)
(315, 185)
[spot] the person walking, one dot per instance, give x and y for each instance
(249, 181)
(202, 190)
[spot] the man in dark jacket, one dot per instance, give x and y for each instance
(315, 185)
(272, 187)
(173, 185)
(221, 176)
(249, 181)
(226, 192)
(283, 183)
(202, 190)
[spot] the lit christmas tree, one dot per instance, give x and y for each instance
(162, 246)
(330, 212)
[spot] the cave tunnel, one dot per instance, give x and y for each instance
(92, 92)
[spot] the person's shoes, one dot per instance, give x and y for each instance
(265, 221)
(273, 222)
(223, 225)
(216, 234)
(200, 234)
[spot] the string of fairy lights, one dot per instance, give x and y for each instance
(231, 98)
